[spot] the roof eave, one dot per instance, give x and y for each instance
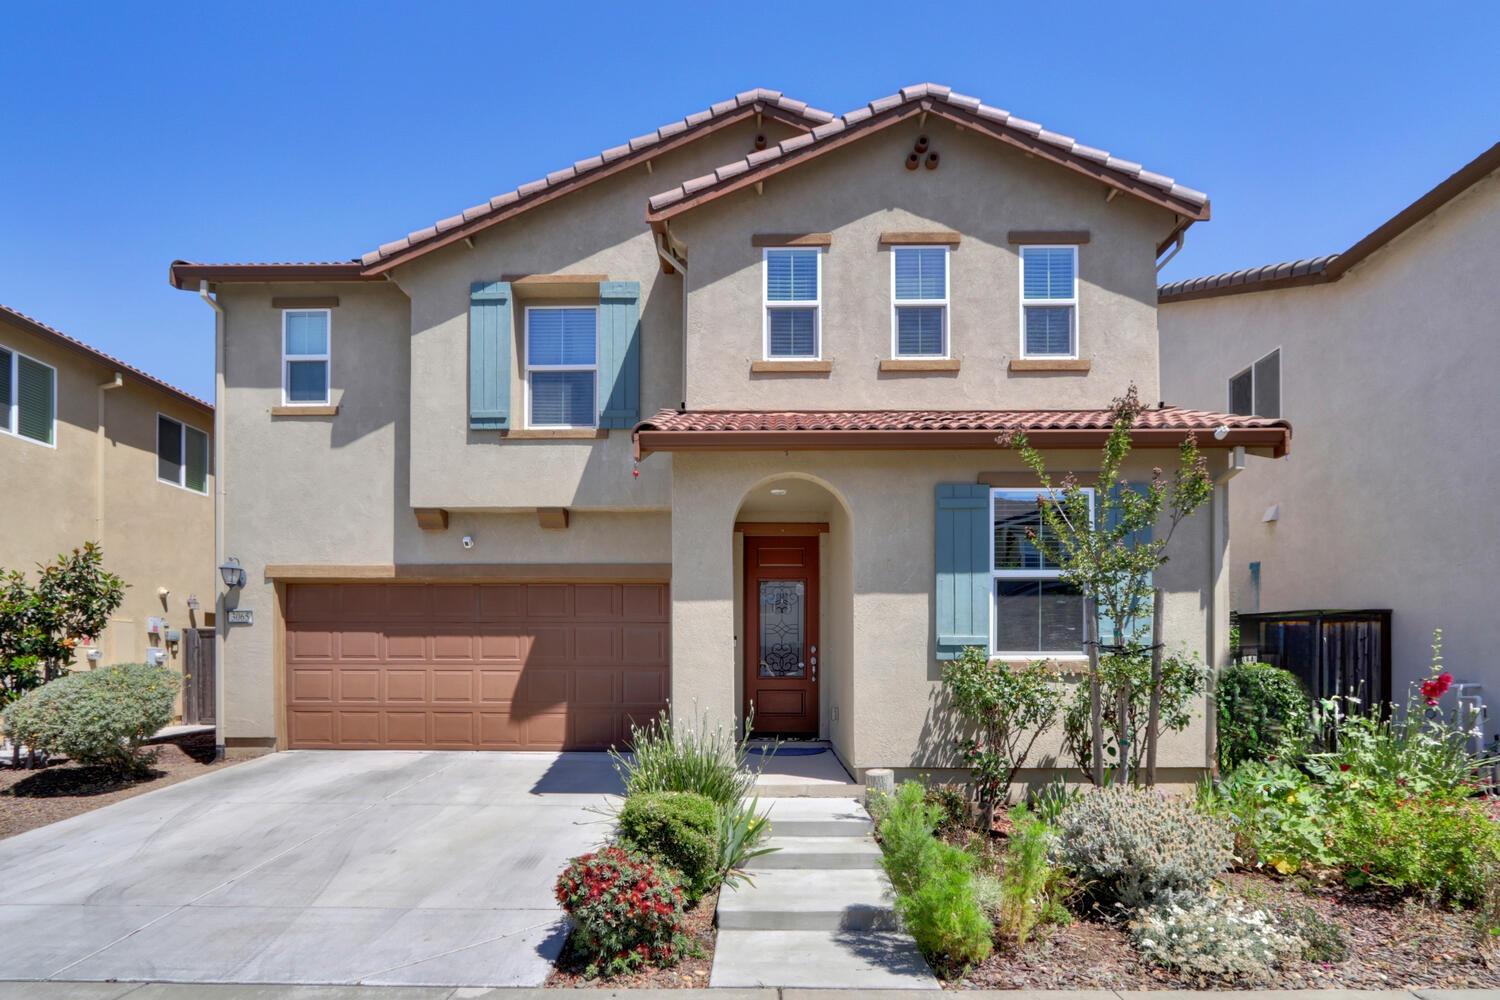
(483, 222)
(1272, 441)
(186, 274)
(1190, 211)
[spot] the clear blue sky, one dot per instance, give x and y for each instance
(135, 134)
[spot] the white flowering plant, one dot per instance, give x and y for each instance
(1215, 938)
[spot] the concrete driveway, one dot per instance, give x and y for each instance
(381, 867)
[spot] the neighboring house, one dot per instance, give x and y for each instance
(507, 482)
(94, 449)
(1385, 357)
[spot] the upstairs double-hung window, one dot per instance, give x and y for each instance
(793, 286)
(562, 369)
(28, 397)
(305, 357)
(1049, 302)
(919, 291)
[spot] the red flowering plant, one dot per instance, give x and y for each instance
(626, 912)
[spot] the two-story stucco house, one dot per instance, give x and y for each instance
(1384, 356)
(709, 419)
(94, 449)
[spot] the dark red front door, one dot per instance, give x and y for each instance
(781, 634)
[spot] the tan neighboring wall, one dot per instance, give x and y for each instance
(154, 535)
(1387, 498)
(880, 670)
(983, 191)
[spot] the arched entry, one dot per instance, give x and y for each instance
(792, 588)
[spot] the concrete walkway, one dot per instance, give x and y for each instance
(377, 867)
(818, 912)
(165, 991)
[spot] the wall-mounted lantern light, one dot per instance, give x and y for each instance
(232, 572)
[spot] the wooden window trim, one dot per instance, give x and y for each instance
(1049, 237)
(915, 365)
(305, 411)
(1075, 366)
(937, 237)
(305, 302)
(791, 240)
(791, 367)
(560, 434)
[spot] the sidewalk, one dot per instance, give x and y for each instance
(199, 991)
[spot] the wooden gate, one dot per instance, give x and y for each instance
(198, 676)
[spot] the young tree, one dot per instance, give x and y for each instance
(41, 625)
(1010, 709)
(1105, 547)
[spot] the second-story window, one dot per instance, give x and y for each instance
(919, 290)
(1256, 391)
(1049, 302)
(28, 398)
(305, 357)
(793, 286)
(562, 366)
(181, 455)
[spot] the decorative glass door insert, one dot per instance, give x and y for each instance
(782, 628)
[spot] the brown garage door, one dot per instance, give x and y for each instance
(473, 666)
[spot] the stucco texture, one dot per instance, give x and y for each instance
(103, 486)
(982, 190)
(880, 671)
(1387, 497)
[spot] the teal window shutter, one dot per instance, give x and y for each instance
(619, 353)
(962, 551)
(489, 355)
(35, 396)
(1138, 629)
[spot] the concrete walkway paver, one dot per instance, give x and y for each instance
(316, 867)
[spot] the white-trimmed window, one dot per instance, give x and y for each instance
(1049, 302)
(181, 454)
(562, 369)
(919, 302)
(793, 321)
(1034, 613)
(28, 398)
(1256, 391)
(305, 357)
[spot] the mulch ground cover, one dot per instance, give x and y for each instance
(1392, 943)
(689, 973)
(33, 798)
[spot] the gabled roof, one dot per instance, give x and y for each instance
(371, 266)
(931, 98)
(56, 336)
(1332, 267)
(811, 430)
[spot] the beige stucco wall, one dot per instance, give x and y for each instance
(1387, 497)
(598, 230)
(982, 190)
(155, 535)
(883, 676)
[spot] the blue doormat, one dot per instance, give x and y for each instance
(786, 751)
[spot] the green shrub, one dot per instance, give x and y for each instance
(1133, 846)
(1027, 886)
(1214, 938)
(1264, 714)
(1280, 817)
(675, 756)
(626, 913)
(678, 829)
(99, 716)
(1322, 940)
(1442, 850)
(953, 803)
(934, 882)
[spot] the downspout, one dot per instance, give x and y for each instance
(218, 447)
(681, 268)
(1218, 644)
(99, 451)
(1176, 248)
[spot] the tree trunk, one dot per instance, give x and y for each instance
(1153, 717)
(1096, 707)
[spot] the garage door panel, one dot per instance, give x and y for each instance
(473, 666)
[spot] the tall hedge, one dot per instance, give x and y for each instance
(1264, 713)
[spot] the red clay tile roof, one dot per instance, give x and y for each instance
(40, 329)
(670, 430)
(1124, 174)
(503, 205)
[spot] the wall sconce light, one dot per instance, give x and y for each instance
(232, 572)
(192, 602)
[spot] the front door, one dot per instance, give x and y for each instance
(781, 634)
